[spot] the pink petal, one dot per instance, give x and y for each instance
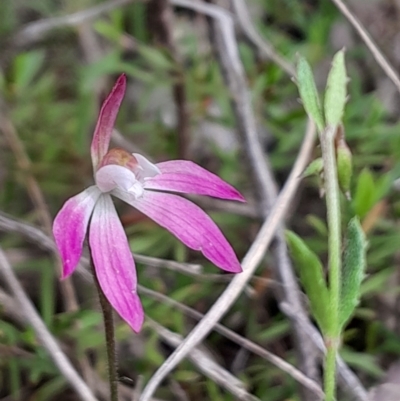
(114, 264)
(188, 223)
(187, 177)
(70, 226)
(106, 121)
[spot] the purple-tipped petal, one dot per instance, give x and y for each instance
(106, 121)
(188, 223)
(187, 177)
(70, 226)
(114, 264)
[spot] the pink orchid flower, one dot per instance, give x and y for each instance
(138, 182)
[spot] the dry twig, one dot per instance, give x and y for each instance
(206, 364)
(43, 335)
(377, 54)
(238, 339)
(265, 48)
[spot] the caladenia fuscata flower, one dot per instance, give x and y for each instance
(141, 184)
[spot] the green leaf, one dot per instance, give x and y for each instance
(376, 282)
(51, 389)
(155, 57)
(335, 92)
(354, 262)
(308, 93)
(186, 376)
(26, 67)
(109, 31)
(363, 362)
(312, 278)
(314, 168)
(365, 194)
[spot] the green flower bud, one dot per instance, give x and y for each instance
(344, 163)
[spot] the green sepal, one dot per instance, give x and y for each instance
(354, 261)
(314, 168)
(308, 93)
(312, 278)
(335, 92)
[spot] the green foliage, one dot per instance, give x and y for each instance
(369, 191)
(335, 92)
(365, 194)
(26, 66)
(308, 93)
(312, 278)
(354, 261)
(366, 363)
(314, 168)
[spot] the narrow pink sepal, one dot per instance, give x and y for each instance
(70, 226)
(188, 223)
(114, 264)
(106, 121)
(187, 177)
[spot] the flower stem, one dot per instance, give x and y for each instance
(330, 371)
(332, 336)
(110, 338)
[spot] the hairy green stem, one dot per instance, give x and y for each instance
(107, 311)
(332, 338)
